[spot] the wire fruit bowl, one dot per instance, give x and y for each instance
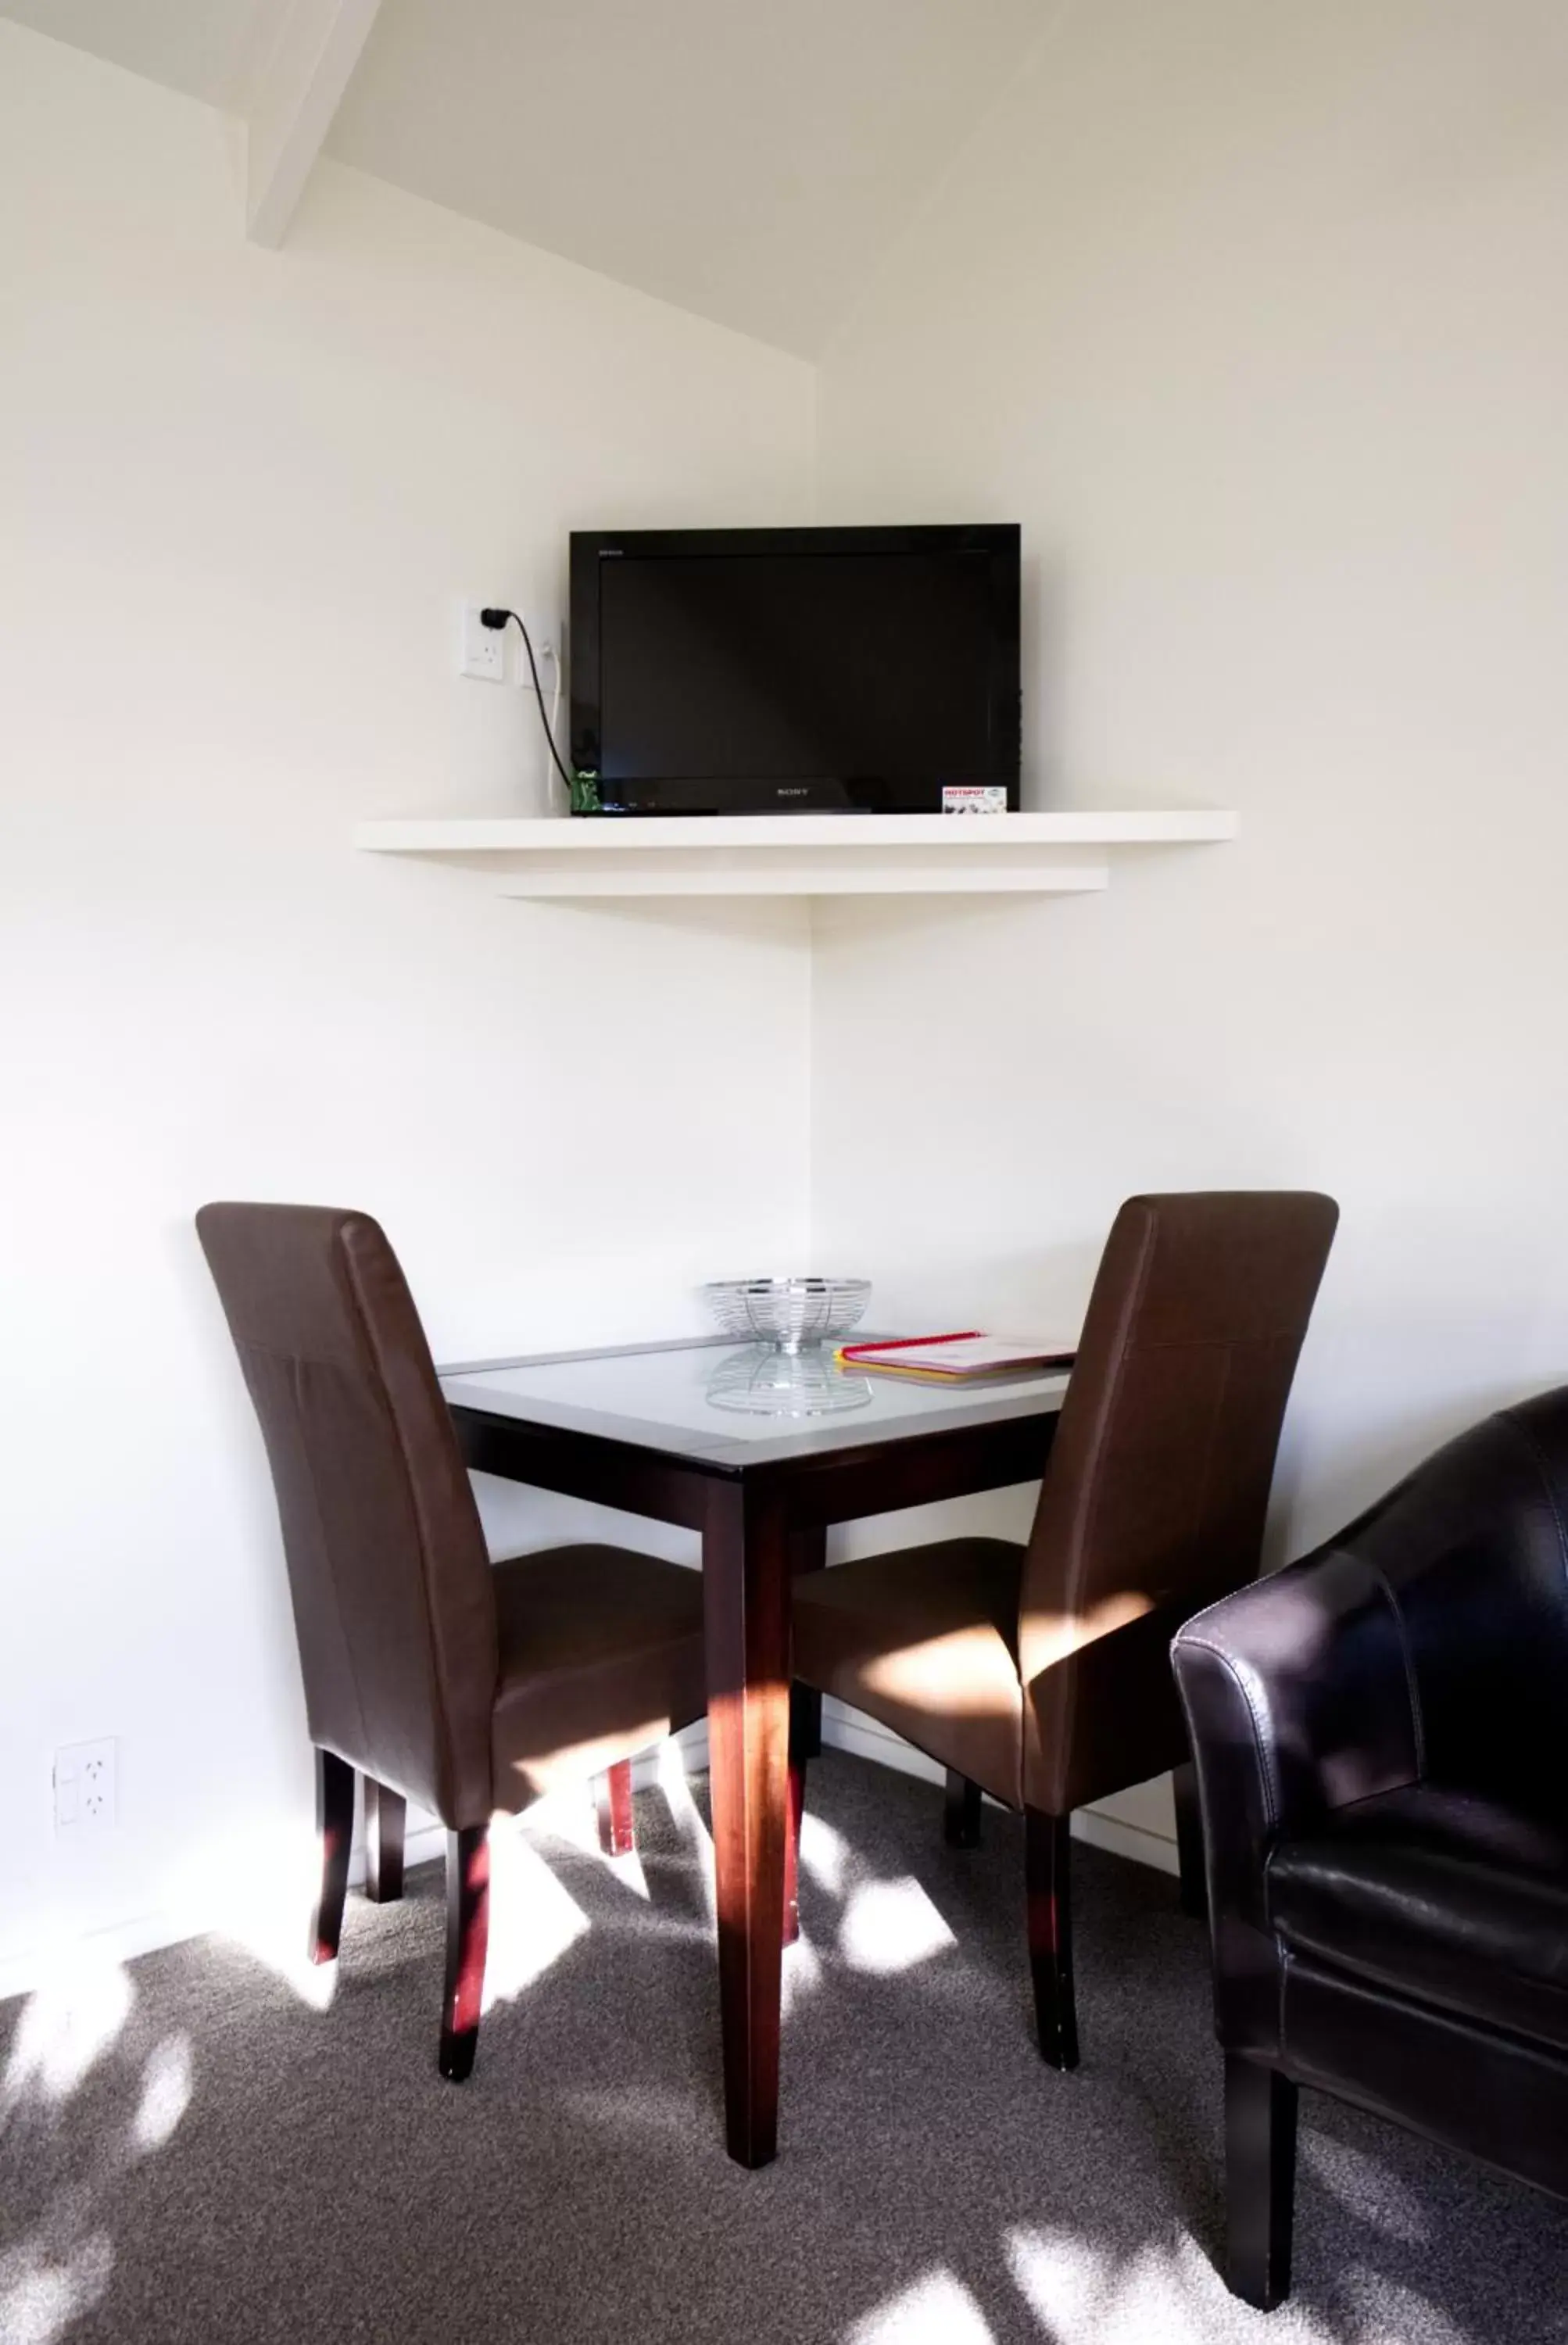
(793, 1314)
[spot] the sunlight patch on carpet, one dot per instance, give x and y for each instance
(802, 1975)
(264, 1898)
(533, 1918)
(572, 1816)
(67, 2028)
(1085, 2294)
(892, 1926)
(824, 1854)
(42, 2296)
(937, 2311)
(164, 2093)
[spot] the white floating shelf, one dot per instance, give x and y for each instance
(796, 855)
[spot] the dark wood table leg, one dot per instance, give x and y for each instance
(745, 1591)
(794, 1809)
(808, 1552)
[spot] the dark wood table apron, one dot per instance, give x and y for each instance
(762, 1519)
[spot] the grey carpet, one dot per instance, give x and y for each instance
(235, 2166)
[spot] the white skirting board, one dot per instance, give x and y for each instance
(168, 1925)
(1139, 1825)
(426, 1841)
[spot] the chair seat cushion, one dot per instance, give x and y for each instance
(601, 1654)
(925, 1639)
(1456, 1901)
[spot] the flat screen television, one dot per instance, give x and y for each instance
(776, 671)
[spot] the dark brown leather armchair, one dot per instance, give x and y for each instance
(1041, 1674)
(439, 1678)
(1378, 1733)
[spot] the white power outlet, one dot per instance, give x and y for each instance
(481, 650)
(85, 1787)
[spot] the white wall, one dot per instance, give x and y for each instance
(1254, 317)
(239, 489)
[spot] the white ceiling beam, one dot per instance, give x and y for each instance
(293, 104)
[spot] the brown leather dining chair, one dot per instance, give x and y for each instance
(439, 1678)
(1040, 1674)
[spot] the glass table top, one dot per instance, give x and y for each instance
(717, 1399)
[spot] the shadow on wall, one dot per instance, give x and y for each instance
(189, 2150)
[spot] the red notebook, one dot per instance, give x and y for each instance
(950, 1359)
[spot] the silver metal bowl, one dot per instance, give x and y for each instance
(791, 1313)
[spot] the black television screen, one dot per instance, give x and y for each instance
(806, 670)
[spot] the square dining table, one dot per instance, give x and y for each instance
(758, 1455)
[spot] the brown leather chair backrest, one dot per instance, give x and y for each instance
(388, 1571)
(1157, 1483)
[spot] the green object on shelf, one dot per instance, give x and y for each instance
(585, 793)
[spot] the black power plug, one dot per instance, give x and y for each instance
(495, 619)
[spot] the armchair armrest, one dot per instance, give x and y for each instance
(1428, 1643)
(1298, 1696)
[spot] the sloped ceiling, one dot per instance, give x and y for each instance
(748, 159)
(207, 48)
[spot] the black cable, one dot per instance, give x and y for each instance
(495, 620)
